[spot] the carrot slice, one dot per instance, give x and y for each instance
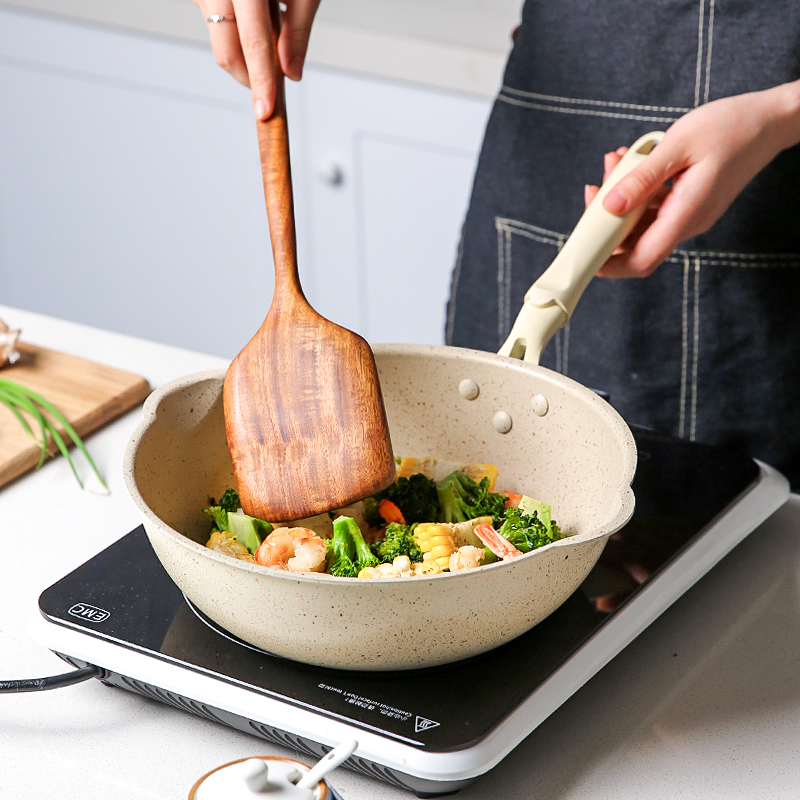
(513, 499)
(390, 512)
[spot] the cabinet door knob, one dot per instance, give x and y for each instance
(330, 172)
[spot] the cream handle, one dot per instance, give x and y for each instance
(549, 303)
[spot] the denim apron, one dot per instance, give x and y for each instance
(708, 347)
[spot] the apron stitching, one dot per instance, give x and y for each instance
(577, 101)
(709, 257)
(557, 342)
(710, 45)
(529, 235)
(505, 222)
(714, 253)
(699, 68)
(695, 348)
(500, 271)
(507, 287)
(451, 311)
(684, 347)
(584, 111)
(740, 264)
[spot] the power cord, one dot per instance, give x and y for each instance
(52, 682)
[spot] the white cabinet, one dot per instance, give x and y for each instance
(383, 238)
(131, 199)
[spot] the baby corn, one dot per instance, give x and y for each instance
(436, 542)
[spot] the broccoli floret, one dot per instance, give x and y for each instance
(219, 512)
(399, 541)
(348, 553)
(219, 515)
(416, 497)
(341, 551)
(462, 499)
(230, 500)
(526, 531)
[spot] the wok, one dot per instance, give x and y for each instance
(550, 437)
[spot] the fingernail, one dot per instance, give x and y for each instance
(586, 189)
(608, 161)
(260, 108)
(621, 151)
(615, 201)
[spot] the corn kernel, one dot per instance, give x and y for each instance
(368, 572)
(442, 550)
(440, 541)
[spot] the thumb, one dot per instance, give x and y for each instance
(645, 180)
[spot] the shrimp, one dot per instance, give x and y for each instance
(466, 557)
(293, 549)
(498, 544)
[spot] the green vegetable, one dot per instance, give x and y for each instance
(19, 399)
(399, 541)
(416, 497)
(529, 506)
(461, 499)
(230, 500)
(526, 531)
(219, 512)
(219, 515)
(228, 516)
(348, 553)
(341, 551)
(248, 530)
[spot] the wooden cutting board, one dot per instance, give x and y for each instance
(88, 394)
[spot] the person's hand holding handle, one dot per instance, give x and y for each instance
(549, 303)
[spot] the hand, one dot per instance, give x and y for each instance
(245, 47)
(710, 154)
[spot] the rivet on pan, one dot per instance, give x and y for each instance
(502, 422)
(469, 389)
(540, 404)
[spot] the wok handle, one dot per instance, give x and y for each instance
(549, 303)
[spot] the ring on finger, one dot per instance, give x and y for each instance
(221, 18)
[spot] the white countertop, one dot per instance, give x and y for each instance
(704, 704)
(460, 45)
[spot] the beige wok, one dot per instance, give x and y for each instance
(550, 438)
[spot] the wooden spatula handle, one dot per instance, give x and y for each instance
(273, 142)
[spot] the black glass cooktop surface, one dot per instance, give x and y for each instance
(124, 594)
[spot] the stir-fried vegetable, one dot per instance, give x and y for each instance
(219, 513)
(229, 518)
(468, 526)
(399, 541)
(461, 498)
(527, 531)
(416, 497)
(348, 553)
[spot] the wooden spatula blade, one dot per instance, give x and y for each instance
(305, 420)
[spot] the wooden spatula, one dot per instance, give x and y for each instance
(304, 413)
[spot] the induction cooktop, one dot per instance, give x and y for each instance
(120, 611)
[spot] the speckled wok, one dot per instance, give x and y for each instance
(565, 446)
(580, 457)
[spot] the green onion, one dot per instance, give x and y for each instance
(18, 399)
